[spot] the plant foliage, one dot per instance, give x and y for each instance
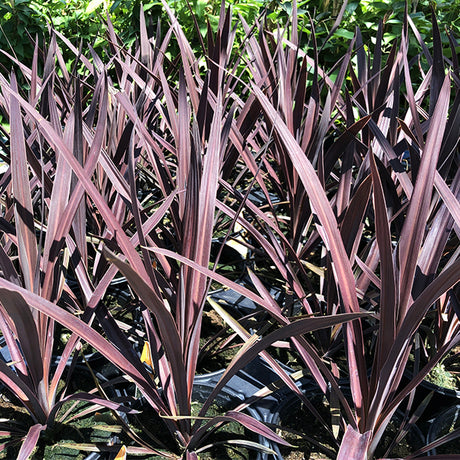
(338, 187)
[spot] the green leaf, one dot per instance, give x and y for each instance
(344, 34)
(93, 5)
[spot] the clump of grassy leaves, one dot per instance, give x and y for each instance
(136, 166)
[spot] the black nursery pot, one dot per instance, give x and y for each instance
(256, 375)
(443, 425)
(442, 398)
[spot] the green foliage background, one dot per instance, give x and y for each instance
(82, 20)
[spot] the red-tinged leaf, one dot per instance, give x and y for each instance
(30, 441)
(336, 150)
(246, 420)
(438, 72)
(8, 270)
(84, 175)
(188, 58)
(148, 263)
(152, 222)
(79, 221)
(64, 214)
(426, 51)
(299, 96)
(402, 343)
(167, 329)
(415, 223)
(150, 137)
(305, 350)
(59, 198)
(203, 215)
(331, 236)
(74, 50)
(213, 275)
(9, 335)
(413, 116)
(347, 153)
(450, 197)
(93, 399)
(272, 247)
(441, 226)
(256, 426)
(24, 69)
(388, 291)
(368, 272)
(145, 48)
(114, 175)
(171, 107)
(451, 138)
(27, 333)
(308, 354)
(250, 350)
(418, 378)
(99, 291)
(320, 204)
(448, 437)
(23, 210)
(352, 224)
(185, 172)
(393, 159)
(75, 212)
(245, 335)
(317, 147)
(34, 75)
(354, 445)
(337, 22)
(209, 185)
(22, 391)
(9, 290)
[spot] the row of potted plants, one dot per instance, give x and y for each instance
(242, 207)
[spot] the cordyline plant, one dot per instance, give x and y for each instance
(384, 228)
(76, 146)
(44, 235)
(190, 142)
(136, 167)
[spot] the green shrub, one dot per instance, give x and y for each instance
(81, 20)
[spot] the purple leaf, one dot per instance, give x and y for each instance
(23, 210)
(30, 441)
(331, 236)
(354, 445)
(414, 225)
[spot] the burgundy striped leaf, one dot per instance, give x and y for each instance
(417, 214)
(57, 203)
(188, 58)
(85, 180)
(331, 236)
(402, 343)
(23, 210)
(23, 392)
(79, 221)
(167, 328)
(388, 305)
(30, 441)
(247, 421)
(354, 445)
(251, 349)
(10, 291)
(28, 335)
